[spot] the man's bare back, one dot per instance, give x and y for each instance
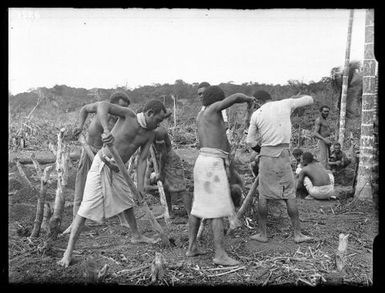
(317, 174)
(212, 130)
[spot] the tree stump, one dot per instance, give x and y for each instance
(157, 267)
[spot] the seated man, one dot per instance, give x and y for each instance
(338, 159)
(296, 165)
(318, 181)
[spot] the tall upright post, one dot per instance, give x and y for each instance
(363, 188)
(341, 132)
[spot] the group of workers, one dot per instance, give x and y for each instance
(101, 191)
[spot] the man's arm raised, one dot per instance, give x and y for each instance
(231, 100)
(105, 108)
(83, 114)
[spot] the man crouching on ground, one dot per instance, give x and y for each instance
(106, 192)
(212, 198)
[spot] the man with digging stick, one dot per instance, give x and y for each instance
(94, 141)
(212, 199)
(271, 125)
(171, 170)
(106, 192)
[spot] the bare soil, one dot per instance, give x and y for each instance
(279, 262)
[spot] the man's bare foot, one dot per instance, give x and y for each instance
(302, 238)
(226, 260)
(259, 237)
(143, 239)
(65, 261)
(309, 197)
(194, 252)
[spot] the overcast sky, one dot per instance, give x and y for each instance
(107, 48)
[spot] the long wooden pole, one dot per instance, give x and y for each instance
(162, 195)
(136, 194)
(86, 147)
(245, 204)
(345, 80)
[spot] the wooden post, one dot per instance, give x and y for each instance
(345, 79)
(174, 100)
(37, 165)
(163, 201)
(41, 202)
(46, 217)
(62, 158)
(341, 252)
(155, 225)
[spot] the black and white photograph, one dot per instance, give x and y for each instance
(192, 147)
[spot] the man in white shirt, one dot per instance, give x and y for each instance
(270, 127)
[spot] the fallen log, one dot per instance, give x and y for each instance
(155, 225)
(43, 159)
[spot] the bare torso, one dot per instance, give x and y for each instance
(317, 174)
(95, 130)
(129, 136)
(324, 128)
(212, 130)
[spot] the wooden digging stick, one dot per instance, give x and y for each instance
(155, 225)
(245, 203)
(86, 147)
(201, 227)
(163, 201)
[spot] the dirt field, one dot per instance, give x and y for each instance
(278, 262)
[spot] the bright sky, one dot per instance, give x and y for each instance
(107, 48)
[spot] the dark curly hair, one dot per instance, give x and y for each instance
(212, 94)
(116, 96)
(154, 105)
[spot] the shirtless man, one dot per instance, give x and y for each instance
(106, 192)
(318, 181)
(212, 198)
(94, 140)
(322, 133)
(171, 170)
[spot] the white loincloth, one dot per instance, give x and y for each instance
(320, 192)
(211, 187)
(106, 193)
